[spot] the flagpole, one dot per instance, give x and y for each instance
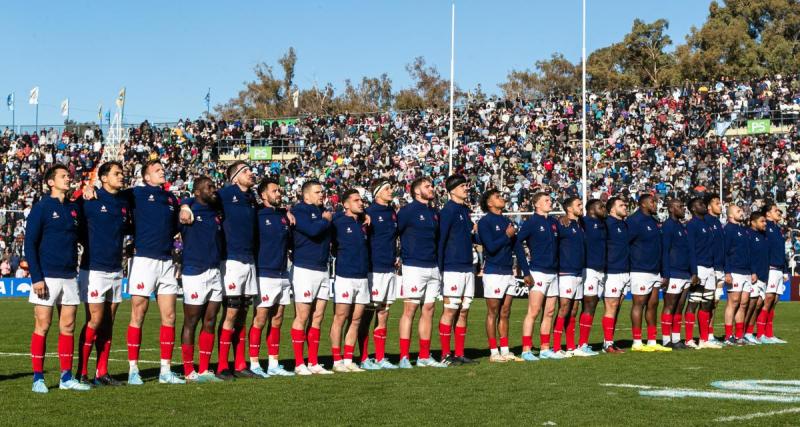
(452, 69)
(14, 112)
(583, 108)
(37, 116)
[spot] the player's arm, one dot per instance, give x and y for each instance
(666, 246)
(308, 226)
(34, 229)
(728, 237)
(492, 245)
(402, 220)
(522, 240)
(445, 222)
(692, 254)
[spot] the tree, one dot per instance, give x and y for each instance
(556, 75)
(428, 84)
(372, 94)
(644, 53)
(743, 38)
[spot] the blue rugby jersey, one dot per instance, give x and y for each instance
(382, 238)
(645, 240)
(455, 238)
(274, 238)
(737, 249)
(105, 221)
(51, 239)
(311, 238)
(540, 233)
(418, 225)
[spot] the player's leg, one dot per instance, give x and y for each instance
(260, 319)
(503, 328)
(351, 337)
(275, 317)
(535, 302)
(379, 336)
(731, 308)
(450, 310)
(301, 313)
(564, 312)
(313, 334)
(94, 319)
(740, 318)
(461, 331)
(191, 317)
(678, 316)
(341, 312)
(611, 306)
(206, 340)
(103, 345)
(650, 316)
(404, 330)
(588, 308)
(424, 327)
(694, 297)
(763, 316)
(363, 332)
(66, 345)
(139, 306)
(492, 313)
(638, 305)
(166, 307)
(43, 316)
(545, 328)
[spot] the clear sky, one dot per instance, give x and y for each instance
(168, 53)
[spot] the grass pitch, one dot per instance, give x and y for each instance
(575, 391)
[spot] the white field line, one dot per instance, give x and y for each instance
(756, 415)
(157, 362)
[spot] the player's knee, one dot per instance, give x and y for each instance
(465, 303)
(235, 303)
(427, 309)
(66, 327)
(452, 303)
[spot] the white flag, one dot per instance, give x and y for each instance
(65, 107)
(10, 101)
(296, 98)
(34, 97)
(121, 98)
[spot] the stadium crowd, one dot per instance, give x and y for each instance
(662, 141)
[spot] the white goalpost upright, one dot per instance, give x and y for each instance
(452, 72)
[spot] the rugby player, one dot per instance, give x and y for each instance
(105, 221)
(499, 239)
(456, 236)
(418, 225)
(51, 249)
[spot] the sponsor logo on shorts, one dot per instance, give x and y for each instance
(140, 285)
(375, 292)
(413, 289)
(232, 286)
(193, 295)
(307, 294)
(94, 293)
(346, 295)
(497, 291)
(265, 298)
(454, 288)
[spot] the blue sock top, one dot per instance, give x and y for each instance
(38, 376)
(66, 376)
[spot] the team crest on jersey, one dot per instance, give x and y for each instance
(103, 209)
(151, 198)
(283, 220)
(553, 226)
(55, 215)
(394, 217)
(74, 213)
(124, 211)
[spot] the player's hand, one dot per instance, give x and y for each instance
(397, 264)
(474, 228)
(40, 289)
(327, 216)
(511, 231)
(367, 220)
(528, 281)
(728, 278)
(185, 216)
(785, 277)
(291, 218)
(665, 282)
(88, 192)
(754, 278)
(695, 280)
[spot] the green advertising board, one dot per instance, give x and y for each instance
(260, 153)
(758, 126)
(278, 121)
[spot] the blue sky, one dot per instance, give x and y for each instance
(168, 53)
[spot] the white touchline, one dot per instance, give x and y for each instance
(644, 387)
(720, 395)
(771, 386)
(56, 354)
(757, 415)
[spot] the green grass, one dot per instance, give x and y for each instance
(568, 392)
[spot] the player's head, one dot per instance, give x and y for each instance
(239, 173)
(351, 201)
(457, 187)
(617, 207)
(492, 201)
(111, 175)
(270, 192)
(205, 190)
(714, 204)
(542, 203)
(735, 214)
(153, 173)
(422, 189)
(57, 178)
(647, 203)
(771, 211)
(758, 221)
(382, 191)
(573, 207)
(312, 192)
(677, 210)
(698, 207)
(596, 209)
